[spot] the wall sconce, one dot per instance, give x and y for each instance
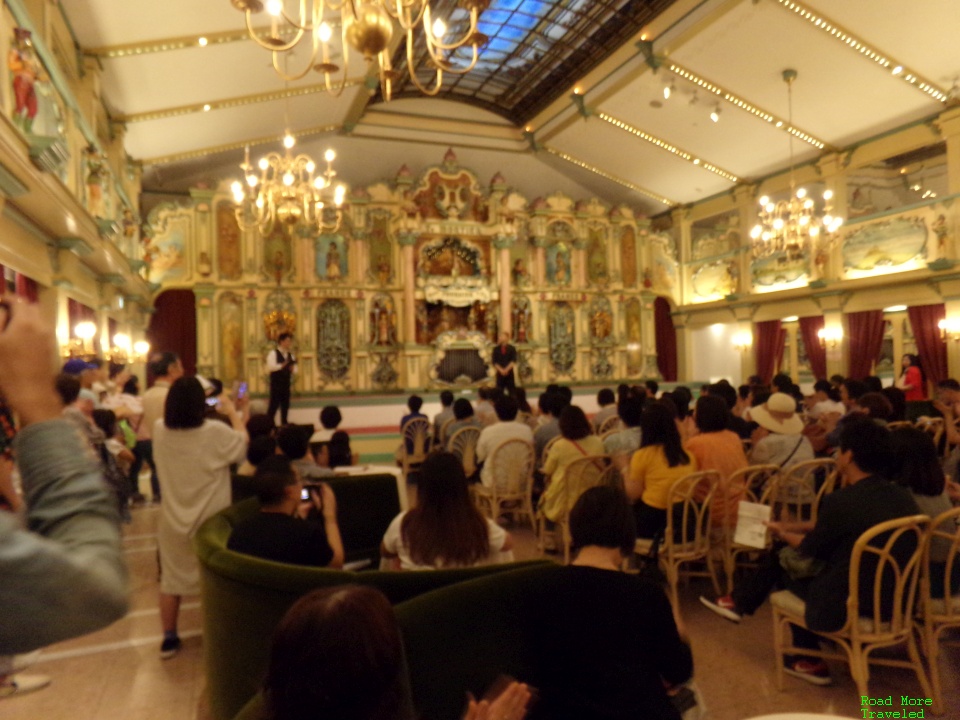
(830, 337)
(82, 341)
(124, 351)
(743, 341)
(949, 329)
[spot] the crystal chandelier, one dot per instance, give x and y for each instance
(288, 191)
(790, 228)
(367, 27)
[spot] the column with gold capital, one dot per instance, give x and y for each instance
(206, 355)
(503, 241)
(407, 238)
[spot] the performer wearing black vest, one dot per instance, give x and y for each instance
(504, 360)
(281, 365)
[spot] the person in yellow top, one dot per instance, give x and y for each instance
(655, 467)
(576, 441)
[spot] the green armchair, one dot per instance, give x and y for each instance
(244, 598)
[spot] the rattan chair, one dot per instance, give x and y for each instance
(580, 475)
(512, 463)
(861, 634)
(463, 444)
(754, 480)
(611, 423)
(898, 424)
(414, 444)
(687, 534)
(443, 435)
(793, 493)
(944, 612)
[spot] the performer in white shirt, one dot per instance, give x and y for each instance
(281, 364)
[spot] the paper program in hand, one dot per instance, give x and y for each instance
(751, 528)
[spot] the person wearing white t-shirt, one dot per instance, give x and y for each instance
(823, 400)
(445, 530)
(507, 428)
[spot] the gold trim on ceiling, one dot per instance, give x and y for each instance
(666, 146)
(608, 176)
(230, 102)
(183, 42)
(266, 140)
(884, 60)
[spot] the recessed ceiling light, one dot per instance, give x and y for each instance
(895, 308)
(206, 108)
(202, 42)
(792, 318)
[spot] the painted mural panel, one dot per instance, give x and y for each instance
(331, 257)
(165, 245)
(885, 244)
(558, 264)
(278, 254)
(381, 250)
(230, 310)
(597, 264)
(229, 263)
(632, 311)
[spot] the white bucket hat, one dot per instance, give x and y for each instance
(778, 415)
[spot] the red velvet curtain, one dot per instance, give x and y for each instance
(866, 340)
(173, 327)
(78, 312)
(666, 338)
(27, 288)
(770, 341)
(932, 349)
(809, 327)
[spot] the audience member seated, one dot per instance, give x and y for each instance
(484, 410)
(728, 394)
(463, 417)
(294, 441)
(507, 428)
(338, 653)
(258, 426)
(653, 388)
(549, 427)
(577, 441)
(442, 417)
(290, 528)
(779, 440)
(825, 399)
(720, 449)
(526, 412)
(608, 408)
(258, 450)
(875, 406)
(831, 423)
(655, 467)
(340, 454)
(621, 445)
(330, 419)
(819, 553)
(414, 403)
(898, 403)
(623, 624)
(916, 466)
(445, 529)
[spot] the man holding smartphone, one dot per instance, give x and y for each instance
(281, 365)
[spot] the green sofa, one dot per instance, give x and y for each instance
(244, 598)
(461, 638)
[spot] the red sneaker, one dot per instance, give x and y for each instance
(813, 671)
(724, 607)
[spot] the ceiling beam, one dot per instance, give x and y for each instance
(227, 103)
(608, 176)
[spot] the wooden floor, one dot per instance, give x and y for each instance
(116, 674)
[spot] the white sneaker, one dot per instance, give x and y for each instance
(22, 684)
(22, 662)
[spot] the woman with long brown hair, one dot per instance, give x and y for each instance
(445, 529)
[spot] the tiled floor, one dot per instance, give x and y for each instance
(116, 674)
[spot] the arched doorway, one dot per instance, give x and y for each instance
(173, 326)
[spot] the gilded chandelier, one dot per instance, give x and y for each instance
(368, 28)
(789, 228)
(288, 191)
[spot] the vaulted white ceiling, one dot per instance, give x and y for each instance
(738, 47)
